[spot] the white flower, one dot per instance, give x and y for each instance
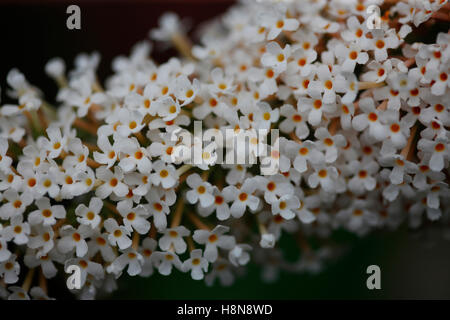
(441, 83)
(364, 147)
(30, 177)
(112, 183)
(158, 205)
(275, 23)
(303, 154)
(46, 213)
(134, 218)
(169, 24)
(380, 71)
(401, 167)
(421, 177)
(118, 235)
(55, 68)
(4, 252)
(315, 106)
(196, 264)
(236, 174)
(10, 181)
(348, 110)
(210, 105)
(130, 258)
(27, 102)
(17, 230)
(363, 179)
(48, 183)
(17, 81)
(267, 240)
(173, 238)
(80, 155)
(302, 61)
(222, 270)
(241, 198)
(167, 108)
(46, 262)
(56, 142)
(274, 187)
(239, 256)
(351, 55)
(439, 151)
(294, 119)
(184, 91)
(330, 144)
(325, 176)
(165, 261)
(381, 41)
(164, 175)
(275, 57)
(41, 238)
(109, 153)
(358, 217)
(265, 115)
(371, 119)
(221, 83)
(99, 243)
(140, 182)
(286, 206)
(304, 213)
(90, 215)
(82, 96)
(130, 122)
(219, 205)
(86, 180)
(326, 85)
(70, 185)
(148, 247)
(213, 240)
(158, 208)
(72, 238)
(201, 191)
(9, 270)
(16, 204)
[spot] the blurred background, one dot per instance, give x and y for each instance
(414, 265)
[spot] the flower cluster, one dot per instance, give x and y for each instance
(91, 180)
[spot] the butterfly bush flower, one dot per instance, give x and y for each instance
(165, 261)
(74, 239)
(46, 213)
(241, 198)
(128, 258)
(117, 234)
(134, 218)
(173, 238)
(201, 191)
(196, 264)
(104, 176)
(10, 270)
(213, 240)
(90, 215)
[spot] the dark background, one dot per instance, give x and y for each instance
(414, 265)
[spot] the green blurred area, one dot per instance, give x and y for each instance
(411, 268)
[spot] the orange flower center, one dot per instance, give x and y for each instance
(323, 173)
(243, 196)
